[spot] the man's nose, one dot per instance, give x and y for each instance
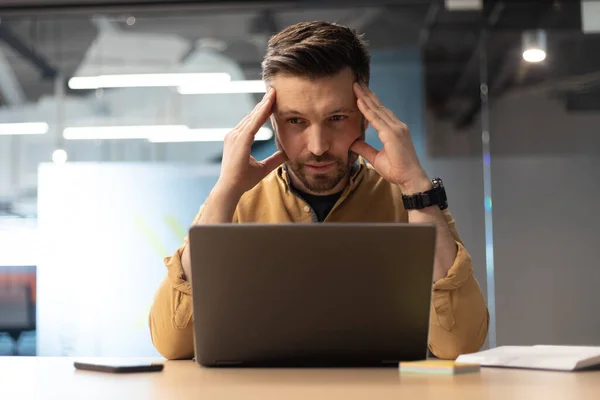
(318, 140)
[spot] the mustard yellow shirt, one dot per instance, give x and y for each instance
(459, 318)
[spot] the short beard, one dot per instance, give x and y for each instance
(321, 183)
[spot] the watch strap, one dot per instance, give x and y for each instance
(432, 197)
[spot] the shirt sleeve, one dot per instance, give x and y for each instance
(459, 318)
(170, 317)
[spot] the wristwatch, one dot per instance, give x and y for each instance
(432, 197)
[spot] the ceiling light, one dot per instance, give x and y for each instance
(120, 132)
(534, 55)
(155, 133)
(463, 5)
(534, 46)
(146, 80)
(59, 156)
(203, 135)
(24, 128)
(256, 86)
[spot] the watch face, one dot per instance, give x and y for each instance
(437, 182)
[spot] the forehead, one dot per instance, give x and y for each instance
(310, 96)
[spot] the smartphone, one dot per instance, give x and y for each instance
(119, 367)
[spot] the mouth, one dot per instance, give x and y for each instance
(319, 168)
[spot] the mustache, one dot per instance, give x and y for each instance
(317, 159)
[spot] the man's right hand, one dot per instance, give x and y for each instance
(240, 171)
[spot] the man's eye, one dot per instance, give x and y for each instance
(337, 118)
(294, 121)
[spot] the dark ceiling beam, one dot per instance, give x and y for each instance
(500, 77)
(264, 23)
(431, 18)
(36, 59)
(47, 70)
(446, 28)
(587, 101)
(502, 73)
(488, 21)
(49, 7)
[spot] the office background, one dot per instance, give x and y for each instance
(517, 144)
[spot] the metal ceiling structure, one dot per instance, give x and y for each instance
(42, 37)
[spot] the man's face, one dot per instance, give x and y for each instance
(315, 122)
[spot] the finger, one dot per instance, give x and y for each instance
(388, 114)
(373, 117)
(360, 90)
(240, 127)
(274, 161)
(260, 115)
(378, 109)
(365, 150)
(371, 99)
(384, 113)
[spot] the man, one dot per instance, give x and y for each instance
(320, 105)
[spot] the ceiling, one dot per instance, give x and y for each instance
(42, 42)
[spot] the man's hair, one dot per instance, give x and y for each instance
(316, 50)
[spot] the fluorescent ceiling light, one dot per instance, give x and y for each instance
(155, 133)
(24, 128)
(120, 132)
(464, 5)
(146, 80)
(203, 135)
(257, 86)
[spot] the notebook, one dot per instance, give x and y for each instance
(559, 358)
(438, 367)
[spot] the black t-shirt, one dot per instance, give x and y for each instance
(321, 204)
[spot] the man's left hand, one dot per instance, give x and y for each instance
(397, 161)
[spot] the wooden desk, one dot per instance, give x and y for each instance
(55, 378)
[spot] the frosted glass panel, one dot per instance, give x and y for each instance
(105, 229)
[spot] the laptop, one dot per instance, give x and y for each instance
(335, 294)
